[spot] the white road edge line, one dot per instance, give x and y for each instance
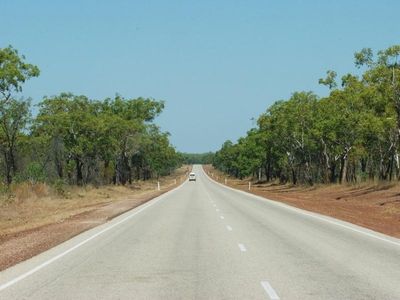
(222, 217)
(229, 227)
(270, 291)
(57, 257)
(312, 215)
(242, 248)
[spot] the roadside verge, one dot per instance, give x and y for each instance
(23, 244)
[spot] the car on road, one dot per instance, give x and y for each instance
(192, 177)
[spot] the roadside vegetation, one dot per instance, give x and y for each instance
(70, 162)
(197, 158)
(350, 136)
(74, 140)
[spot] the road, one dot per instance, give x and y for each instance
(206, 241)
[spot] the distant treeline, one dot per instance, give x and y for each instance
(77, 140)
(197, 158)
(351, 135)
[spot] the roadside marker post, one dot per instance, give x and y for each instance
(175, 181)
(226, 181)
(158, 185)
(249, 185)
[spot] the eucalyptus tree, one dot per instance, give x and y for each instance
(14, 71)
(250, 154)
(382, 75)
(71, 120)
(129, 119)
(352, 134)
(14, 114)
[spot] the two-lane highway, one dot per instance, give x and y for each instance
(206, 241)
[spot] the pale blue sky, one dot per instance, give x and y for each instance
(216, 63)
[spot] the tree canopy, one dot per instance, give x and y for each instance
(75, 139)
(349, 136)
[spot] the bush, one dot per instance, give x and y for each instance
(59, 187)
(33, 173)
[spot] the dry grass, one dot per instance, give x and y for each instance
(26, 206)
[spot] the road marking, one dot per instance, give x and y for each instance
(242, 248)
(208, 195)
(57, 257)
(217, 210)
(270, 291)
(313, 215)
(229, 227)
(215, 205)
(222, 217)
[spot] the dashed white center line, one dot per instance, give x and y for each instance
(222, 217)
(215, 205)
(242, 248)
(270, 291)
(229, 227)
(217, 210)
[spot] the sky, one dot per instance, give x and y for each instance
(217, 64)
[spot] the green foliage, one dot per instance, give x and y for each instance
(116, 131)
(14, 72)
(197, 158)
(351, 135)
(14, 114)
(33, 173)
(60, 187)
(77, 140)
(330, 80)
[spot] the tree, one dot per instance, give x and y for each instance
(111, 135)
(14, 71)
(71, 120)
(14, 114)
(13, 117)
(383, 77)
(197, 158)
(129, 120)
(350, 135)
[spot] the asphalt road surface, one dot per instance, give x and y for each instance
(206, 241)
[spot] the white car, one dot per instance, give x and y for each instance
(192, 177)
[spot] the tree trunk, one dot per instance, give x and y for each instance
(8, 169)
(391, 161)
(307, 173)
(294, 176)
(343, 170)
(12, 161)
(59, 168)
(79, 175)
(332, 173)
(105, 172)
(268, 171)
